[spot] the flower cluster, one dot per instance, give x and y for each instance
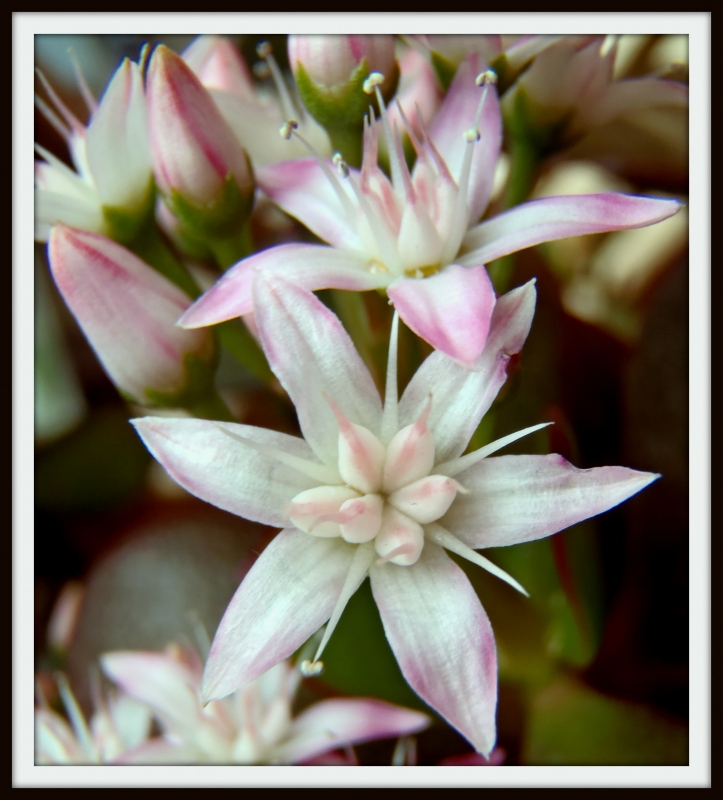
(172, 172)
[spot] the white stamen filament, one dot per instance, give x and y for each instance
(71, 120)
(390, 416)
(363, 558)
(77, 719)
(85, 92)
(52, 118)
(321, 472)
(263, 49)
(457, 465)
(460, 215)
(394, 162)
(289, 129)
(443, 537)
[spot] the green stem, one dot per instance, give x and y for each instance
(237, 339)
(349, 142)
(211, 407)
(231, 249)
(151, 247)
(353, 315)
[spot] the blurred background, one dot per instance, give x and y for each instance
(594, 667)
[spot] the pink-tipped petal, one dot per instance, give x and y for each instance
(219, 65)
(288, 594)
(635, 95)
(301, 188)
(443, 641)
(517, 499)
(456, 115)
(451, 310)
(162, 752)
(158, 680)
(462, 397)
(559, 217)
(310, 266)
(211, 465)
(338, 722)
(312, 355)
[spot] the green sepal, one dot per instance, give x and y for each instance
(341, 108)
(444, 68)
(125, 223)
(217, 220)
(542, 126)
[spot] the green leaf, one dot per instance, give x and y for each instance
(571, 724)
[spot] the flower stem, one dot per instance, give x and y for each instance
(237, 339)
(231, 249)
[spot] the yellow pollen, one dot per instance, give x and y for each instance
(486, 77)
(374, 79)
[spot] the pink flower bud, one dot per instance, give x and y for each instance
(193, 149)
(127, 312)
(330, 60)
(219, 65)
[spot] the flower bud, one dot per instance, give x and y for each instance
(331, 72)
(330, 60)
(199, 165)
(219, 65)
(128, 313)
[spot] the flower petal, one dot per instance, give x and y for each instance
(516, 499)
(558, 217)
(443, 641)
(312, 355)
(310, 266)
(455, 116)
(287, 595)
(338, 722)
(461, 397)
(162, 751)
(634, 95)
(220, 470)
(302, 189)
(451, 310)
(160, 681)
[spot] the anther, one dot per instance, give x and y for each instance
(486, 77)
(374, 79)
(263, 49)
(310, 669)
(471, 135)
(288, 128)
(261, 70)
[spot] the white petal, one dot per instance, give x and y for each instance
(516, 499)
(220, 470)
(313, 356)
(443, 641)
(288, 594)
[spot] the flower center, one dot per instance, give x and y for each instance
(388, 494)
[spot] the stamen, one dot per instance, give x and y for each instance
(52, 118)
(68, 173)
(310, 669)
(457, 465)
(321, 472)
(289, 129)
(375, 79)
(460, 215)
(390, 416)
(358, 570)
(80, 726)
(70, 119)
(85, 92)
(443, 537)
(264, 51)
(394, 162)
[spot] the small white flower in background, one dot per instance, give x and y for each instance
(120, 723)
(112, 158)
(252, 726)
(372, 490)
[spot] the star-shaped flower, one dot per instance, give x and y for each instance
(380, 490)
(416, 236)
(252, 726)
